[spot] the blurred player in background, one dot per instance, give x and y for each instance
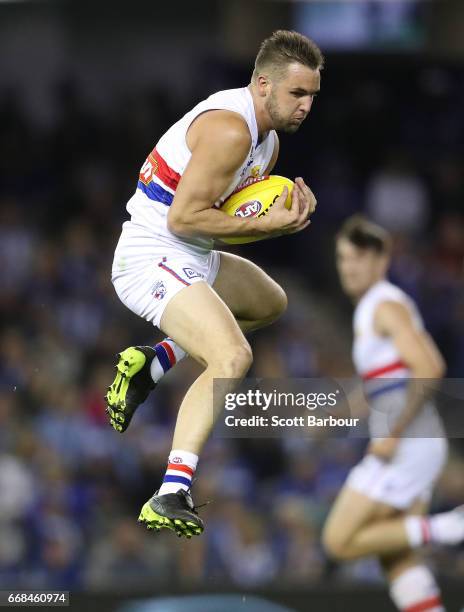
(382, 509)
(166, 271)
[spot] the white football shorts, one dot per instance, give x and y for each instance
(149, 270)
(409, 476)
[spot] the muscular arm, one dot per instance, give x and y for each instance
(417, 350)
(220, 141)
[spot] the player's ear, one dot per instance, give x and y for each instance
(263, 83)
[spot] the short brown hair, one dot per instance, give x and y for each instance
(284, 47)
(365, 235)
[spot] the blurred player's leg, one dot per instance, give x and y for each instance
(412, 584)
(359, 526)
(351, 513)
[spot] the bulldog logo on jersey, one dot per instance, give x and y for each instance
(158, 290)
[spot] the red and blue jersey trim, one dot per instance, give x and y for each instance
(396, 384)
(156, 192)
(381, 380)
(157, 178)
(386, 369)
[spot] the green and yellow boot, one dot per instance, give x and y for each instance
(131, 386)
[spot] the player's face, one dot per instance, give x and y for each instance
(358, 269)
(291, 97)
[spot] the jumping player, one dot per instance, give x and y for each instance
(166, 271)
(382, 509)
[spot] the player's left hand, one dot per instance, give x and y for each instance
(383, 449)
(306, 196)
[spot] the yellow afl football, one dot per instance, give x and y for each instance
(255, 199)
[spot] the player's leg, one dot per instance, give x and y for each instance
(197, 319)
(353, 513)
(254, 298)
(378, 493)
(359, 526)
(138, 370)
(412, 584)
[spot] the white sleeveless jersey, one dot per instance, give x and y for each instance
(376, 356)
(378, 363)
(163, 168)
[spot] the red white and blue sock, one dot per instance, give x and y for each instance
(415, 590)
(442, 528)
(168, 354)
(179, 473)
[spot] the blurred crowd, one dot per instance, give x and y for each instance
(71, 487)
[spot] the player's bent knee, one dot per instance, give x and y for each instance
(334, 545)
(240, 359)
(280, 302)
(235, 361)
(274, 306)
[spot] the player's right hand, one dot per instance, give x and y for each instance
(284, 220)
(383, 449)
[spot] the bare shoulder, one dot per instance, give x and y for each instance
(390, 315)
(226, 128)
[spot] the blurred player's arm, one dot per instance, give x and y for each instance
(418, 351)
(219, 142)
(357, 403)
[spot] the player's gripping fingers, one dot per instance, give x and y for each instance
(312, 199)
(297, 200)
(280, 202)
(302, 201)
(299, 212)
(304, 208)
(297, 208)
(307, 194)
